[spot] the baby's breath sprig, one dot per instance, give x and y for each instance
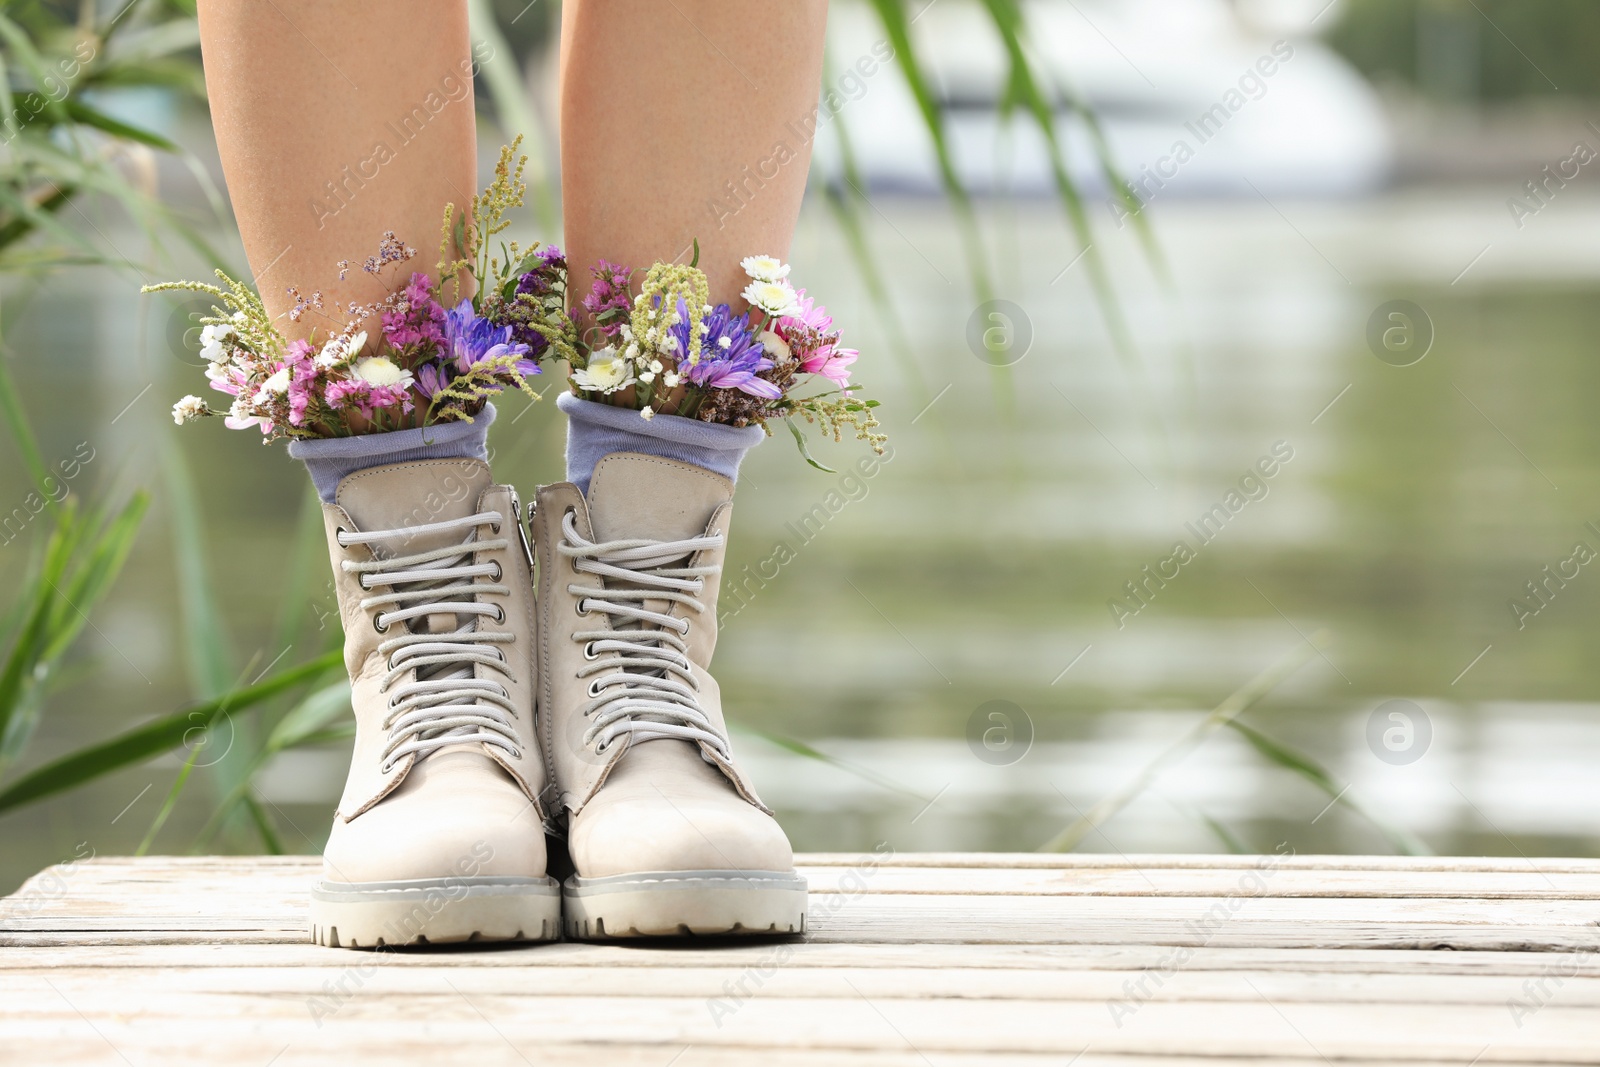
(655, 309)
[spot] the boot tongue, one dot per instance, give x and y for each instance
(407, 495)
(633, 495)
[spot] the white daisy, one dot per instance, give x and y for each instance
(381, 370)
(765, 268)
(606, 373)
(775, 298)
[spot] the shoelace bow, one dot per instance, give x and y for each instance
(445, 703)
(642, 686)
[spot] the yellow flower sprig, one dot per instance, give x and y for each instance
(245, 313)
(657, 304)
(468, 236)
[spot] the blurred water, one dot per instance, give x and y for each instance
(978, 563)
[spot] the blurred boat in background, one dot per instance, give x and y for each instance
(1194, 97)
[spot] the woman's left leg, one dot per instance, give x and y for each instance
(681, 122)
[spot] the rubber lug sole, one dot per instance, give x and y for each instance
(685, 904)
(435, 911)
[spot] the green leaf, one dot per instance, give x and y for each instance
(82, 557)
(1237, 702)
(88, 116)
(263, 824)
(1305, 766)
(154, 737)
(800, 748)
(16, 421)
(23, 50)
(805, 453)
(309, 718)
(208, 654)
(892, 14)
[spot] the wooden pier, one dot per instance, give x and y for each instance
(916, 959)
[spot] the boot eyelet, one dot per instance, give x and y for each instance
(684, 632)
(588, 651)
(499, 613)
(593, 692)
(580, 607)
(498, 573)
(379, 627)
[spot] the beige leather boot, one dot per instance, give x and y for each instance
(439, 835)
(666, 835)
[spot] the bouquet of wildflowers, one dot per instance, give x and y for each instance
(668, 351)
(437, 359)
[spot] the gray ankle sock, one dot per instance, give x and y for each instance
(329, 459)
(594, 431)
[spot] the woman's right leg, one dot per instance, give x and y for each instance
(331, 129)
(326, 139)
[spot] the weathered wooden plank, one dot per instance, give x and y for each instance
(1272, 876)
(77, 1049)
(1116, 959)
(256, 900)
(1335, 923)
(911, 959)
(1571, 984)
(848, 1020)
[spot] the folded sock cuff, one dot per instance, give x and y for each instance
(594, 431)
(330, 459)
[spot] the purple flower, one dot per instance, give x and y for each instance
(730, 356)
(470, 339)
(432, 379)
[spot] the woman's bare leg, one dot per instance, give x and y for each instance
(336, 122)
(665, 108)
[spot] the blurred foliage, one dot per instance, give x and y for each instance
(1469, 50)
(58, 61)
(61, 148)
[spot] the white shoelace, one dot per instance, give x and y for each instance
(444, 704)
(642, 686)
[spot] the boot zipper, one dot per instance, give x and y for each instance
(522, 531)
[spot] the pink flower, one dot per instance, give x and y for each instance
(815, 343)
(813, 316)
(832, 363)
(348, 393)
(420, 320)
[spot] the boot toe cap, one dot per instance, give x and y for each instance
(448, 826)
(624, 835)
